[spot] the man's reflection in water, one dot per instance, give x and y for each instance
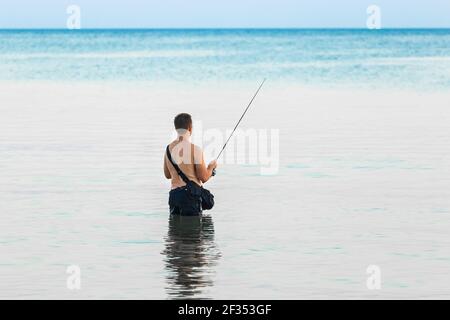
(190, 256)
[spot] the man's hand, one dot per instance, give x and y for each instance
(212, 165)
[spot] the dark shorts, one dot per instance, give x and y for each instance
(182, 203)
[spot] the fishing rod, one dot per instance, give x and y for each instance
(237, 125)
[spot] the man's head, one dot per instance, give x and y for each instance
(183, 122)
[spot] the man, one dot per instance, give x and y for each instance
(189, 158)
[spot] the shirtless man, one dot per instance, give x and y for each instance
(189, 158)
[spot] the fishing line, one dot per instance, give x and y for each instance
(237, 125)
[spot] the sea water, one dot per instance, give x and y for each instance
(362, 178)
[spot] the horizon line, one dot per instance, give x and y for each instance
(225, 28)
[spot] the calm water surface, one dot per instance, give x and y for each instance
(363, 173)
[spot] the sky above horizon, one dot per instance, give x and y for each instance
(225, 14)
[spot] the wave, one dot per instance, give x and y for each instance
(116, 55)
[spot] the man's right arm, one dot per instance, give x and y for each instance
(202, 171)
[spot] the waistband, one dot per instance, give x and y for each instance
(178, 189)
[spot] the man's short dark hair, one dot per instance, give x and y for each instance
(183, 121)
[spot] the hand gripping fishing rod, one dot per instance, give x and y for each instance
(237, 125)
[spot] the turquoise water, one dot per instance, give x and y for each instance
(382, 58)
(363, 175)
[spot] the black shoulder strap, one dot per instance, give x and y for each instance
(177, 168)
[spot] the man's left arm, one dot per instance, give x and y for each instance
(166, 169)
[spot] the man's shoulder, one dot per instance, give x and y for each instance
(197, 149)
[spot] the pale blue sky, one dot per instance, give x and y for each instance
(224, 13)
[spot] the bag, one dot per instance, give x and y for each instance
(194, 189)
